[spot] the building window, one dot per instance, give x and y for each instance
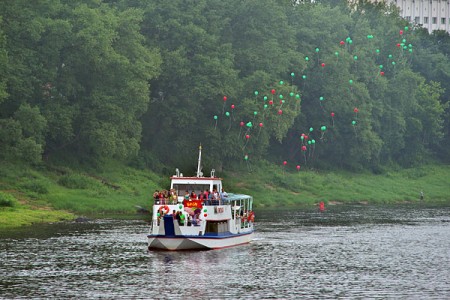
(417, 20)
(442, 20)
(434, 20)
(425, 20)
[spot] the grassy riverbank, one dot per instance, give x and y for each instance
(48, 194)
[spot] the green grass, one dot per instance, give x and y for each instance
(51, 193)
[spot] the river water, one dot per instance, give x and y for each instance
(345, 252)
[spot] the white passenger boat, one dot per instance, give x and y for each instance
(187, 222)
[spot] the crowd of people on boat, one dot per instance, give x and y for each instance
(165, 197)
(180, 217)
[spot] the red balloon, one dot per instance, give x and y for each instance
(332, 114)
(260, 124)
(298, 167)
(306, 137)
(398, 45)
(323, 64)
(271, 102)
(342, 43)
(280, 112)
(382, 73)
(284, 162)
(247, 136)
(242, 124)
(273, 91)
(232, 106)
(205, 215)
(355, 110)
(401, 32)
(225, 98)
(303, 148)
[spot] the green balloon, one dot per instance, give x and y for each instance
(404, 41)
(317, 50)
(256, 93)
(255, 113)
(304, 76)
(381, 66)
(265, 106)
(321, 98)
(281, 82)
(353, 123)
(350, 81)
(297, 96)
(355, 57)
(350, 41)
(292, 74)
(410, 50)
(323, 128)
(393, 63)
(336, 53)
(158, 214)
(307, 58)
(281, 96)
(313, 141)
(265, 98)
(205, 210)
(377, 51)
(246, 157)
(249, 124)
(311, 129)
(215, 117)
(390, 55)
(409, 45)
(282, 101)
(227, 114)
(291, 94)
(309, 142)
(180, 206)
(302, 137)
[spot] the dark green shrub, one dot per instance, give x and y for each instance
(7, 200)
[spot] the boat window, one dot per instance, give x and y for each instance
(215, 227)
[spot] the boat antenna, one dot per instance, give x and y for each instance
(199, 169)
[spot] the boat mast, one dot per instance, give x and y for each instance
(199, 160)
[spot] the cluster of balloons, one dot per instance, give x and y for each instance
(308, 142)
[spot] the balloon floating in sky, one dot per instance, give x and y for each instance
(298, 167)
(232, 106)
(284, 162)
(215, 118)
(273, 91)
(225, 98)
(256, 93)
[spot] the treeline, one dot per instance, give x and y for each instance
(322, 85)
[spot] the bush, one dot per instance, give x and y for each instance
(35, 186)
(7, 200)
(75, 181)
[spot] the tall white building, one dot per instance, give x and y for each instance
(431, 14)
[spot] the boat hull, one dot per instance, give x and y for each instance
(205, 242)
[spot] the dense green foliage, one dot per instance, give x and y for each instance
(145, 80)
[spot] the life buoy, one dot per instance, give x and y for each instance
(164, 209)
